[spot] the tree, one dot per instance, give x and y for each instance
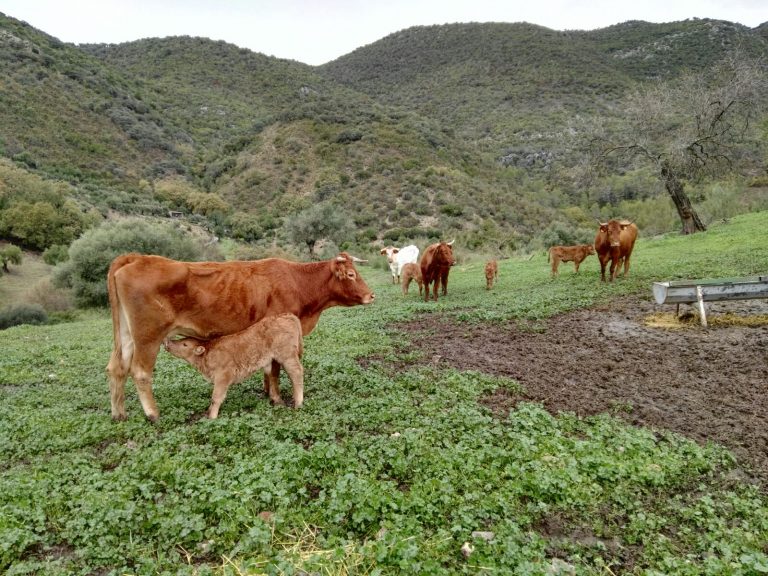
(321, 221)
(696, 125)
(10, 254)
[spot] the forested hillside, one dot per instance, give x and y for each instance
(463, 130)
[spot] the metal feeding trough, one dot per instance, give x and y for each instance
(711, 290)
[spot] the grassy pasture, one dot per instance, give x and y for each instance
(381, 472)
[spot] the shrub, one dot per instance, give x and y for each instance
(55, 254)
(22, 314)
(90, 256)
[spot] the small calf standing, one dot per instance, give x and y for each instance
(491, 273)
(575, 254)
(412, 271)
(231, 359)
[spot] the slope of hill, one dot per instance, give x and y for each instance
(516, 85)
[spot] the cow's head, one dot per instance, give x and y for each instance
(390, 252)
(444, 254)
(351, 288)
(612, 230)
(590, 249)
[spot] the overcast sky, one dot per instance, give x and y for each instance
(318, 31)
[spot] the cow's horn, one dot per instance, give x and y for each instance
(359, 260)
(451, 242)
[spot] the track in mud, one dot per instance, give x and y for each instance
(704, 383)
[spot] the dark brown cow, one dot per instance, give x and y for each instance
(154, 298)
(232, 358)
(411, 271)
(614, 241)
(435, 264)
(491, 273)
(575, 254)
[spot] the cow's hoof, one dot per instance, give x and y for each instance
(119, 417)
(153, 418)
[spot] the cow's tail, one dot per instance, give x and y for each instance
(122, 352)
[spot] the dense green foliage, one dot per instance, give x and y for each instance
(22, 314)
(85, 271)
(384, 471)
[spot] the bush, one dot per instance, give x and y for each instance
(55, 254)
(22, 314)
(90, 256)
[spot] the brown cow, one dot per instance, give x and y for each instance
(436, 262)
(491, 273)
(575, 254)
(411, 271)
(614, 241)
(233, 358)
(154, 298)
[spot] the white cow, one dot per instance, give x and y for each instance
(399, 257)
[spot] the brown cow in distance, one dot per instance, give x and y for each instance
(411, 271)
(575, 254)
(614, 241)
(435, 263)
(491, 273)
(154, 298)
(233, 358)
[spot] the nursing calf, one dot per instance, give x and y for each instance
(233, 358)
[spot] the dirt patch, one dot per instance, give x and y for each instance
(709, 384)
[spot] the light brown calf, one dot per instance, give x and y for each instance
(491, 273)
(231, 359)
(412, 271)
(575, 254)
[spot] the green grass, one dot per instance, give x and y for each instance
(381, 472)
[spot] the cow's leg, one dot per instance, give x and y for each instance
(272, 383)
(220, 388)
(603, 262)
(117, 373)
(576, 266)
(295, 372)
(445, 284)
(614, 269)
(626, 266)
(142, 364)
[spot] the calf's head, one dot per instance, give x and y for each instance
(189, 349)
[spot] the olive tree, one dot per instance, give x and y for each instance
(10, 254)
(320, 221)
(696, 125)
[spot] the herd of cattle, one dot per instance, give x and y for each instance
(231, 319)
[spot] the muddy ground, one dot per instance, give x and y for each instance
(704, 383)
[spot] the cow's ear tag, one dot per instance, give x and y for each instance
(199, 350)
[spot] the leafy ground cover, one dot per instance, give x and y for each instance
(383, 471)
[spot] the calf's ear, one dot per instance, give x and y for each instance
(199, 350)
